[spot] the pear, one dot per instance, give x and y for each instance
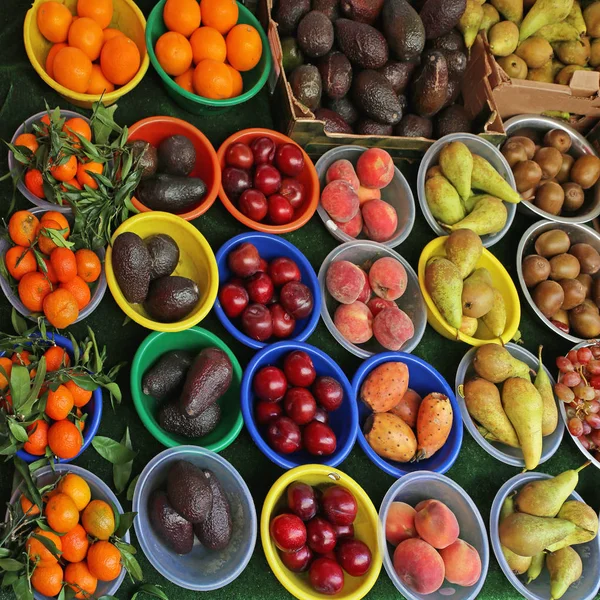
(510, 9)
(544, 387)
(517, 564)
(482, 274)
(482, 400)
(558, 32)
(495, 319)
(490, 17)
(535, 51)
(503, 38)
(443, 200)
(456, 162)
(575, 19)
(584, 517)
(565, 567)
(564, 76)
(487, 179)
(489, 216)
(544, 12)
(514, 66)
(576, 52)
(444, 284)
(496, 364)
(508, 507)
(464, 248)
(470, 21)
(471, 201)
(477, 298)
(483, 333)
(468, 326)
(591, 15)
(543, 75)
(536, 566)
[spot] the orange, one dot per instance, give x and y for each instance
(220, 14)
(38, 438)
(80, 290)
(72, 182)
(73, 69)
(56, 358)
(77, 488)
(79, 578)
(33, 288)
(207, 42)
(20, 260)
(75, 544)
(53, 21)
(98, 83)
(45, 242)
(50, 273)
(48, 581)
(79, 421)
(54, 215)
(29, 141)
(85, 178)
(77, 125)
(38, 552)
(60, 308)
(64, 170)
(110, 33)
(64, 439)
(237, 82)
(51, 56)
(59, 403)
(61, 513)
(120, 60)
(104, 561)
(244, 47)
(212, 79)
(7, 365)
(88, 265)
(98, 519)
(182, 16)
(22, 227)
(21, 358)
(185, 80)
(174, 53)
(99, 10)
(86, 35)
(80, 396)
(34, 182)
(46, 119)
(64, 263)
(28, 507)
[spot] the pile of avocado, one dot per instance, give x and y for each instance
(377, 67)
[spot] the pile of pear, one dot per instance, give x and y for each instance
(546, 40)
(539, 525)
(508, 407)
(464, 191)
(463, 293)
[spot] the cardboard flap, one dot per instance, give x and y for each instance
(585, 83)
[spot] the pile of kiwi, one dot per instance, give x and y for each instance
(547, 175)
(564, 282)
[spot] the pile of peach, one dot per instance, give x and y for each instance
(427, 547)
(352, 198)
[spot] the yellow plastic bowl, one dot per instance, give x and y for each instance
(502, 282)
(366, 529)
(127, 17)
(196, 261)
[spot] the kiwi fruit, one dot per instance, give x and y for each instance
(514, 153)
(561, 317)
(552, 242)
(585, 321)
(574, 293)
(588, 257)
(564, 266)
(550, 197)
(574, 196)
(535, 269)
(550, 160)
(565, 169)
(528, 194)
(587, 282)
(586, 171)
(526, 142)
(589, 302)
(559, 139)
(433, 171)
(548, 296)
(527, 175)
(596, 291)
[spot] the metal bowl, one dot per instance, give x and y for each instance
(580, 146)
(578, 234)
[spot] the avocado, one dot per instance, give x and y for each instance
(189, 491)
(414, 126)
(171, 193)
(147, 157)
(362, 44)
(175, 531)
(336, 74)
(306, 85)
(131, 264)
(456, 60)
(440, 16)
(453, 40)
(370, 127)
(373, 94)
(171, 299)
(345, 109)
(164, 254)
(430, 84)
(403, 100)
(315, 34)
(292, 56)
(453, 91)
(330, 8)
(334, 123)
(398, 74)
(215, 531)
(403, 29)
(453, 119)
(176, 155)
(171, 420)
(207, 380)
(363, 11)
(288, 14)
(167, 374)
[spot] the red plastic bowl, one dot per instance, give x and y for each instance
(308, 178)
(155, 129)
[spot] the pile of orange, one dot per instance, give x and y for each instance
(205, 50)
(87, 55)
(51, 279)
(79, 529)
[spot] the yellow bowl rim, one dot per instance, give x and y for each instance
(281, 573)
(433, 314)
(115, 290)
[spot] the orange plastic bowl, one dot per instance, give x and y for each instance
(155, 129)
(308, 178)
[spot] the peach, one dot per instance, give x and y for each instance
(340, 201)
(344, 281)
(380, 220)
(388, 278)
(437, 525)
(375, 168)
(423, 503)
(392, 327)
(354, 321)
(400, 523)
(377, 304)
(462, 563)
(419, 566)
(343, 170)
(353, 227)
(408, 409)
(365, 194)
(365, 293)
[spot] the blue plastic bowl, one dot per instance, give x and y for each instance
(201, 570)
(343, 421)
(269, 247)
(424, 379)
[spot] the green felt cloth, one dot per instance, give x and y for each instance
(21, 95)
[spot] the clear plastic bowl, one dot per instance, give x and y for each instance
(397, 193)
(362, 252)
(201, 570)
(585, 588)
(478, 146)
(423, 485)
(502, 452)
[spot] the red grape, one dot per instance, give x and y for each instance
(587, 428)
(596, 351)
(595, 382)
(593, 420)
(564, 393)
(595, 437)
(564, 364)
(575, 426)
(593, 366)
(572, 356)
(593, 407)
(584, 355)
(585, 442)
(571, 379)
(585, 392)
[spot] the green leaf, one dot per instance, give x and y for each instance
(10, 564)
(105, 597)
(114, 390)
(150, 590)
(48, 543)
(131, 488)
(19, 385)
(38, 381)
(56, 235)
(21, 588)
(131, 564)
(4, 552)
(112, 451)
(85, 382)
(9, 578)
(125, 524)
(32, 490)
(17, 430)
(18, 322)
(8, 448)
(37, 464)
(122, 472)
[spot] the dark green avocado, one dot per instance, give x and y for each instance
(453, 40)
(188, 491)
(131, 265)
(334, 123)
(330, 8)
(164, 254)
(430, 84)
(171, 299)
(215, 531)
(167, 374)
(403, 29)
(414, 126)
(453, 119)
(364, 45)
(370, 127)
(315, 34)
(306, 85)
(363, 11)
(345, 109)
(176, 155)
(440, 16)
(292, 56)
(172, 420)
(171, 193)
(288, 14)
(373, 94)
(175, 531)
(398, 74)
(336, 75)
(145, 154)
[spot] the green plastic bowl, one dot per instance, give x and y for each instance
(194, 340)
(254, 80)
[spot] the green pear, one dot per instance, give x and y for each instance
(544, 12)
(576, 52)
(482, 400)
(489, 216)
(536, 566)
(517, 564)
(508, 507)
(510, 9)
(564, 76)
(544, 387)
(464, 248)
(514, 66)
(470, 21)
(565, 567)
(544, 75)
(558, 32)
(483, 333)
(575, 19)
(490, 17)
(584, 517)
(444, 284)
(443, 200)
(487, 179)
(503, 38)
(496, 364)
(482, 274)
(535, 51)
(468, 326)
(456, 162)
(471, 201)
(495, 319)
